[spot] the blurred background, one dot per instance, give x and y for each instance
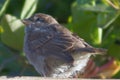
(96, 21)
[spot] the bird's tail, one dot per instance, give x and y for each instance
(100, 50)
(91, 50)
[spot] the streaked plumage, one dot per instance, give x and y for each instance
(53, 50)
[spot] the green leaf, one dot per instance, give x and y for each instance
(4, 51)
(85, 25)
(114, 50)
(28, 8)
(3, 9)
(94, 5)
(90, 18)
(13, 32)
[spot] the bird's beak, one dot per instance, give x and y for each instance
(26, 21)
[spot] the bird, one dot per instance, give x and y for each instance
(53, 50)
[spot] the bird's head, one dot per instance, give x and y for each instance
(38, 22)
(39, 18)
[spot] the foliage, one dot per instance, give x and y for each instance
(97, 21)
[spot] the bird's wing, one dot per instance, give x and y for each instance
(51, 42)
(88, 48)
(58, 42)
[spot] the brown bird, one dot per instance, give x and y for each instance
(53, 50)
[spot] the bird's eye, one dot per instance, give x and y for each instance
(39, 20)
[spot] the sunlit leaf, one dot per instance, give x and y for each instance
(13, 32)
(28, 8)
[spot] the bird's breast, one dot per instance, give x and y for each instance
(80, 61)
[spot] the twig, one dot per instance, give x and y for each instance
(110, 3)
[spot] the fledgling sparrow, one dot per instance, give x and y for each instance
(53, 50)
